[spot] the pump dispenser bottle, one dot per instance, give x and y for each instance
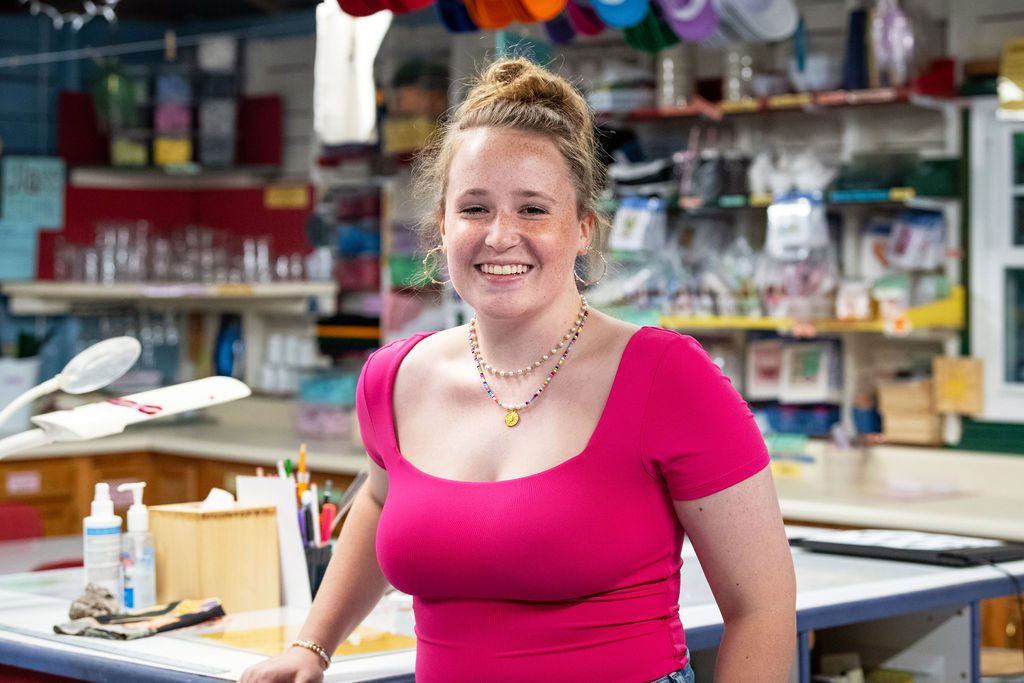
(101, 534)
(137, 556)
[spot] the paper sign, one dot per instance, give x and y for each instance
(1011, 80)
(958, 385)
(295, 591)
(24, 483)
(33, 191)
(17, 250)
(283, 197)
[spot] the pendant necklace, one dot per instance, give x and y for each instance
(512, 410)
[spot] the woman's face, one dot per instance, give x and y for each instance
(510, 226)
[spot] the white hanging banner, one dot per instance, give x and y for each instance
(344, 96)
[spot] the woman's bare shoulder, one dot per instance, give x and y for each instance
(613, 333)
(420, 365)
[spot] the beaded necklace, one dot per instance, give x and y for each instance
(512, 409)
(493, 371)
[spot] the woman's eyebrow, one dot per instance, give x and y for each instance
(524, 193)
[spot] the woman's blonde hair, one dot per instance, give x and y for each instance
(516, 94)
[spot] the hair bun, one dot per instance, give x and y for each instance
(520, 80)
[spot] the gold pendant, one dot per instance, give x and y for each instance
(511, 417)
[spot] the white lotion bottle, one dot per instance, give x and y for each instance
(137, 553)
(101, 534)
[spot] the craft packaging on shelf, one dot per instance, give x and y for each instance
(918, 241)
(799, 272)
(639, 225)
(173, 95)
(357, 239)
(853, 301)
(417, 98)
(811, 372)
(676, 75)
(325, 405)
(763, 370)
(892, 42)
(621, 88)
(287, 357)
(730, 278)
(644, 179)
(737, 74)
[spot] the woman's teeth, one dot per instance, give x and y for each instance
(492, 269)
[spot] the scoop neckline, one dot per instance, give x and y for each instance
(601, 420)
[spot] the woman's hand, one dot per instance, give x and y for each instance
(296, 665)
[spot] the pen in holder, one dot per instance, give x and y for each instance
(317, 559)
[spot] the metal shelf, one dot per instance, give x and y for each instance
(47, 298)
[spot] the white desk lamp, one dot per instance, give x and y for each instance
(96, 367)
(93, 368)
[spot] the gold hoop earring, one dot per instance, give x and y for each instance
(598, 280)
(427, 270)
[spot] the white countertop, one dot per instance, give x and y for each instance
(253, 430)
(31, 603)
(926, 489)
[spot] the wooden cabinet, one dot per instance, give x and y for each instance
(173, 479)
(50, 486)
(1001, 623)
(61, 489)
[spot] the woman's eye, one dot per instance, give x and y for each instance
(535, 210)
(472, 210)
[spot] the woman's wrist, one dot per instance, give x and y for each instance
(315, 648)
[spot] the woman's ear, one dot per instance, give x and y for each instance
(586, 232)
(440, 228)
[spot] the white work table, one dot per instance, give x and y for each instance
(929, 612)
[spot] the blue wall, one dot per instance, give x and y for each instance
(28, 94)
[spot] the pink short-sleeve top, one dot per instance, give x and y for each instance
(572, 573)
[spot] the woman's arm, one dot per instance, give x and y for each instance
(742, 547)
(351, 588)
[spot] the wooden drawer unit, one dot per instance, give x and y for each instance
(37, 479)
(49, 486)
(174, 480)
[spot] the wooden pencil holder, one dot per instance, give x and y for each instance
(227, 554)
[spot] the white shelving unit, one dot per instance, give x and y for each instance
(901, 122)
(52, 298)
(262, 307)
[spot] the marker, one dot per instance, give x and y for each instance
(288, 467)
(314, 507)
(328, 485)
(307, 514)
(280, 469)
(326, 522)
(302, 457)
(302, 526)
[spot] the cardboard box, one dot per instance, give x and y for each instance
(924, 429)
(908, 396)
(227, 554)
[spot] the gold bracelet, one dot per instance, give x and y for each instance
(313, 647)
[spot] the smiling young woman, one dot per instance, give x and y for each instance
(533, 472)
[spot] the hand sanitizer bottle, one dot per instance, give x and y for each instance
(101, 536)
(137, 553)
